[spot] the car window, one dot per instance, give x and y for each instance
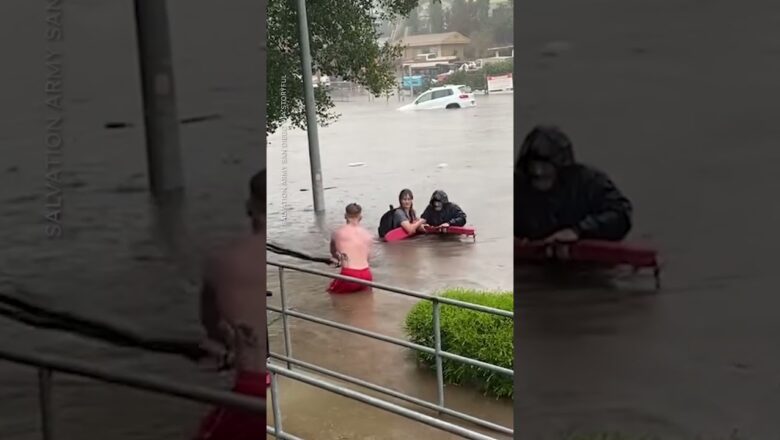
(464, 89)
(423, 98)
(441, 93)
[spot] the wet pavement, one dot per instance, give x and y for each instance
(122, 259)
(465, 152)
(677, 101)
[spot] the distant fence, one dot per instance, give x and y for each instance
(345, 91)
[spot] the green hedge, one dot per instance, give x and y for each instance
(481, 336)
(476, 78)
(499, 68)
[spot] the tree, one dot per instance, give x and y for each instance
(502, 23)
(413, 22)
(436, 13)
(473, 19)
(481, 40)
(343, 36)
(482, 10)
(459, 17)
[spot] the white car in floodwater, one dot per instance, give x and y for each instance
(445, 97)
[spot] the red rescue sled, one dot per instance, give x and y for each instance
(593, 252)
(400, 234)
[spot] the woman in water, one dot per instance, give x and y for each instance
(405, 216)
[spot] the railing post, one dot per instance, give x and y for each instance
(275, 404)
(44, 396)
(285, 326)
(437, 347)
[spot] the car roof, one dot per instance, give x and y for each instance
(448, 86)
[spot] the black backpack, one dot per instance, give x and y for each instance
(386, 222)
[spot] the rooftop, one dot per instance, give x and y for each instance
(434, 39)
(501, 47)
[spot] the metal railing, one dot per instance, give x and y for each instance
(439, 354)
(47, 366)
(276, 430)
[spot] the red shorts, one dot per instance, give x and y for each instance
(235, 424)
(341, 286)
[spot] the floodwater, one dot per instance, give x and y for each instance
(468, 153)
(678, 101)
(122, 259)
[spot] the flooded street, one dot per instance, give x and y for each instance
(467, 153)
(677, 101)
(122, 259)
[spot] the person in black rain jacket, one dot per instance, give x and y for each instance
(560, 200)
(441, 212)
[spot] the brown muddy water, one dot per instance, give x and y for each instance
(467, 153)
(121, 259)
(678, 101)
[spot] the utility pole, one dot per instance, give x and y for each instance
(311, 110)
(161, 120)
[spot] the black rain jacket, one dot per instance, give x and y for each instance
(583, 198)
(450, 212)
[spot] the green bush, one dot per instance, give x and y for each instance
(476, 78)
(477, 335)
(499, 68)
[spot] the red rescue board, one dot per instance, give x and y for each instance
(400, 234)
(454, 230)
(600, 253)
(396, 234)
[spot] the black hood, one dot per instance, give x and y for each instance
(440, 196)
(547, 143)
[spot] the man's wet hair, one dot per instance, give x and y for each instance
(257, 187)
(353, 210)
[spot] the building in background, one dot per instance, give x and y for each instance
(449, 46)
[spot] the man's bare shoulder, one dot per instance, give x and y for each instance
(339, 232)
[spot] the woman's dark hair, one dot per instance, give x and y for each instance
(407, 192)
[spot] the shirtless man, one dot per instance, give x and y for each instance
(350, 245)
(233, 314)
